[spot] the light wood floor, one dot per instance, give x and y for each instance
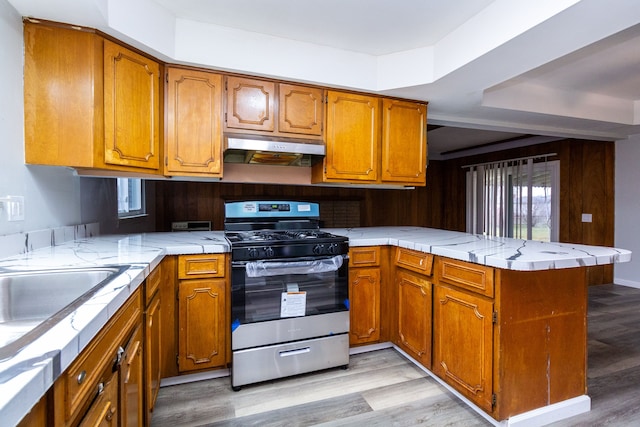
(382, 388)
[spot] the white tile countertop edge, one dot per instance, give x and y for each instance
(22, 384)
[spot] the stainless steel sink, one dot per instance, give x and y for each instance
(32, 302)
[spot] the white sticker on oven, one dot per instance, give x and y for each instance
(293, 304)
(304, 208)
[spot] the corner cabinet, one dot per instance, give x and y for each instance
(372, 140)
(194, 123)
(203, 312)
(364, 295)
(89, 102)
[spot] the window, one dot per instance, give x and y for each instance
(130, 197)
(516, 198)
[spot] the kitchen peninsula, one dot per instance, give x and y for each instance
(528, 300)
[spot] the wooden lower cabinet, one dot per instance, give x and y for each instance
(132, 390)
(414, 316)
(364, 301)
(365, 280)
(202, 323)
(153, 351)
(463, 343)
(78, 392)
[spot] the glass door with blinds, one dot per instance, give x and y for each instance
(516, 198)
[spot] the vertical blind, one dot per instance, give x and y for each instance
(500, 197)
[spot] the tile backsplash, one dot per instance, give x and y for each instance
(20, 243)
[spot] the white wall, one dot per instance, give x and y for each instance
(627, 209)
(53, 196)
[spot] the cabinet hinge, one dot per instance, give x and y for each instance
(494, 318)
(166, 161)
(326, 99)
(225, 117)
(166, 77)
(494, 399)
(178, 361)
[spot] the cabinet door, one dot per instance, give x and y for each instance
(194, 133)
(202, 324)
(364, 298)
(131, 108)
(414, 316)
(404, 142)
(463, 346)
(152, 353)
(250, 104)
(131, 391)
(300, 110)
(352, 137)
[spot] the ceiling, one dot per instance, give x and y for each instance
(496, 73)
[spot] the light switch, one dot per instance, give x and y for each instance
(586, 217)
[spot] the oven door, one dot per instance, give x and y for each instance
(280, 289)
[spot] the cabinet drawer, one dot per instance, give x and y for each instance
(152, 284)
(87, 370)
(365, 256)
(104, 410)
(201, 266)
(414, 260)
(474, 277)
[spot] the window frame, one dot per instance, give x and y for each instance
(129, 208)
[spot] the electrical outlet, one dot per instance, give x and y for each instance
(13, 207)
(587, 217)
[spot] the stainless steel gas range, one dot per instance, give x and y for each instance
(289, 292)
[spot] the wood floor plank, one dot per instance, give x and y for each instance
(382, 388)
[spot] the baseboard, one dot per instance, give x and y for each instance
(535, 418)
(628, 283)
(190, 378)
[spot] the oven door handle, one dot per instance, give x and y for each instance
(278, 268)
(297, 351)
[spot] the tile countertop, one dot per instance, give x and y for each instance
(500, 252)
(25, 377)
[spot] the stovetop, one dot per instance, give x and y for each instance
(276, 236)
(273, 244)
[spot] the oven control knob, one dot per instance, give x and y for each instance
(333, 248)
(318, 249)
(253, 253)
(268, 252)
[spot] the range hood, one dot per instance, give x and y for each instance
(265, 151)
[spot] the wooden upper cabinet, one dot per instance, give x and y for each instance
(404, 141)
(352, 138)
(300, 110)
(250, 104)
(374, 140)
(194, 123)
(274, 109)
(89, 102)
(131, 108)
